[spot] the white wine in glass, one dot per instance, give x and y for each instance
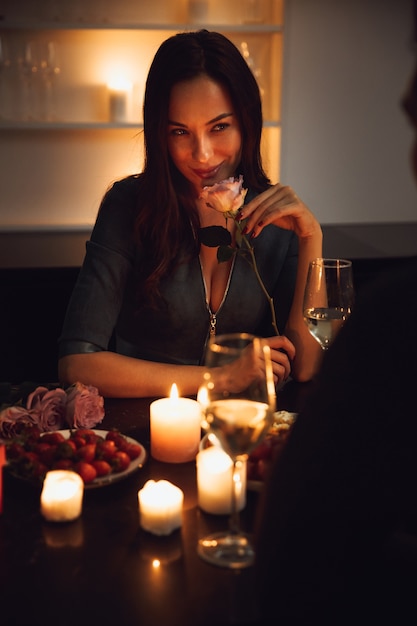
(328, 298)
(239, 416)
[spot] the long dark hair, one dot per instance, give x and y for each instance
(167, 220)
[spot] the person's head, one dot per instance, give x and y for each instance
(183, 59)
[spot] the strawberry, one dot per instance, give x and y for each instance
(119, 440)
(66, 449)
(120, 461)
(87, 471)
(102, 467)
(53, 438)
(133, 450)
(63, 464)
(106, 449)
(87, 453)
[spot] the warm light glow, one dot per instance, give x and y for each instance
(156, 564)
(160, 507)
(61, 497)
(175, 428)
(119, 83)
(215, 479)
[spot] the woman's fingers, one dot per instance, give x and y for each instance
(281, 206)
(282, 354)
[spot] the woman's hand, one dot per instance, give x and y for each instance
(240, 373)
(282, 355)
(281, 206)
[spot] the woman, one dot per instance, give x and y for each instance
(149, 291)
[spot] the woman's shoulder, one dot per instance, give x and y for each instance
(128, 187)
(117, 212)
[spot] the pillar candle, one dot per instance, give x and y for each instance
(215, 480)
(160, 507)
(175, 428)
(119, 98)
(62, 495)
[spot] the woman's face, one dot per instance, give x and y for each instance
(204, 137)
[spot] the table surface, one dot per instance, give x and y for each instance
(98, 569)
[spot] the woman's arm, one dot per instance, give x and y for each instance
(116, 375)
(280, 205)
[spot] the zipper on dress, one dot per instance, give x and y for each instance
(213, 322)
(213, 316)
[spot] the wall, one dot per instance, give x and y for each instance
(345, 140)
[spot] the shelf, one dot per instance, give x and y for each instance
(229, 28)
(70, 125)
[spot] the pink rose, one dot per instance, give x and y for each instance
(85, 407)
(226, 197)
(47, 408)
(11, 420)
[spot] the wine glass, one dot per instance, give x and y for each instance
(328, 298)
(50, 70)
(239, 417)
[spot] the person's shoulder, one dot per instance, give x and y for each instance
(129, 185)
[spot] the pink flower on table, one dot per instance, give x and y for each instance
(85, 407)
(11, 420)
(47, 408)
(226, 197)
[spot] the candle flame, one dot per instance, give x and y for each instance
(174, 392)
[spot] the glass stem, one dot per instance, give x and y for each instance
(234, 523)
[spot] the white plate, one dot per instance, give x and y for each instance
(102, 481)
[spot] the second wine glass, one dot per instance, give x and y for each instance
(328, 298)
(239, 414)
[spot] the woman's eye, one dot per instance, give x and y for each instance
(221, 126)
(177, 132)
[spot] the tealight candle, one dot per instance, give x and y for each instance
(175, 428)
(160, 507)
(215, 481)
(62, 496)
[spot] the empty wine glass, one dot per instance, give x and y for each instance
(49, 69)
(239, 416)
(28, 67)
(328, 298)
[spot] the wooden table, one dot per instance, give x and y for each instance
(98, 570)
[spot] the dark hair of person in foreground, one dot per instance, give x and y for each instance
(337, 536)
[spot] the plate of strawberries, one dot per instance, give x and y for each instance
(101, 457)
(262, 457)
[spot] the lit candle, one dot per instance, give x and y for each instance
(118, 101)
(215, 481)
(175, 428)
(160, 507)
(62, 496)
(2, 462)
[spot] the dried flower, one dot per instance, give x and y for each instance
(228, 197)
